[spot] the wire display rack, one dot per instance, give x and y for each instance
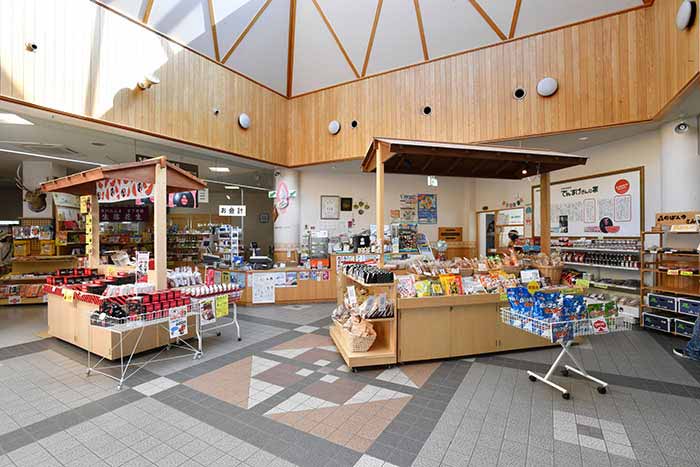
(563, 333)
(136, 324)
(231, 319)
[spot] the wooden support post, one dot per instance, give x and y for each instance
(159, 277)
(379, 158)
(545, 217)
(93, 253)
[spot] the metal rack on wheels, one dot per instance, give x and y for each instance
(125, 327)
(231, 319)
(563, 333)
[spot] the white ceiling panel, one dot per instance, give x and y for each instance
(397, 40)
(318, 61)
(500, 11)
(262, 55)
(540, 15)
(133, 8)
(186, 21)
(232, 16)
(454, 25)
(352, 30)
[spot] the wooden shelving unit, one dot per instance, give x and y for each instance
(684, 281)
(383, 351)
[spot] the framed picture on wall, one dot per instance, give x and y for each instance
(346, 204)
(330, 207)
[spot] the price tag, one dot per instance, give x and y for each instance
(672, 272)
(68, 295)
(14, 300)
(601, 285)
(687, 273)
(225, 277)
(583, 283)
(533, 286)
(352, 295)
(221, 306)
(111, 271)
(504, 297)
(45, 298)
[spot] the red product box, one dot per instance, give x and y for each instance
(187, 300)
(180, 302)
(177, 294)
(171, 294)
(146, 299)
(156, 306)
(162, 296)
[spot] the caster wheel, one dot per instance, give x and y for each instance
(218, 334)
(87, 373)
(354, 370)
(532, 378)
(239, 339)
(565, 372)
(119, 387)
(602, 390)
(167, 347)
(566, 396)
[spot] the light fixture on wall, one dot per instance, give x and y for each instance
(147, 82)
(682, 127)
(524, 171)
(232, 187)
(334, 127)
(31, 46)
(686, 14)
(220, 169)
(244, 121)
(547, 86)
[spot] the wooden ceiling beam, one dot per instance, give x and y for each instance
(427, 164)
(514, 20)
(377, 13)
(245, 31)
(214, 37)
(488, 19)
(147, 11)
(290, 45)
(421, 30)
(335, 37)
(494, 155)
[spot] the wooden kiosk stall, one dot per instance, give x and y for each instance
(68, 317)
(458, 325)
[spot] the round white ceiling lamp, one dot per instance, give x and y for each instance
(685, 15)
(334, 127)
(244, 121)
(547, 86)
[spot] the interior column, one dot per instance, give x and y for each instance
(287, 215)
(680, 168)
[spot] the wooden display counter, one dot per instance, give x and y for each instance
(456, 326)
(306, 291)
(70, 322)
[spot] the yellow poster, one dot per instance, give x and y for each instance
(221, 306)
(225, 277)
(85, 204)
(68, 294)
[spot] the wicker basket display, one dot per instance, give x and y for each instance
(360, 343)
(512, 269)
(553, 273)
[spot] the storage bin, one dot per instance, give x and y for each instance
(688, 306)
(663, 302)
(657, 322)
(683, 327)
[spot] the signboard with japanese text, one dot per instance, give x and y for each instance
(232, 210)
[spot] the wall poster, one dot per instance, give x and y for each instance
(330, 207)
(610, 204)
(263, 285)
(427, 208)
(408, 208)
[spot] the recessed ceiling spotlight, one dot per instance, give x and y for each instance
(220, 169)
(583, 138)
(334, 127)
(547, 86)
(12, 119)
(524, 171)
(148, 81)
(244, 121)
(231, 187)
(98, 144)
(228, 197)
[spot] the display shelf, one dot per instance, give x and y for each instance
(596, 250)
(605, 285)
(447, 301)
(673, 253)
(25, 280)
(364, 284)
(665, 272)
(31, 259)
(671, 291)
(381, 353)
(604, 266)
(649, 307)
(23, 301)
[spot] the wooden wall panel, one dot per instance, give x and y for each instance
(90, 59)
(619, 69)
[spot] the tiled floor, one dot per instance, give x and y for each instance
(282, 396)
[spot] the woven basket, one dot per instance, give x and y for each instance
(511, 269)
(466, 271)
(360, 343)
(551, 272)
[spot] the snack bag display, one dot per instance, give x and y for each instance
(406, 286)
(601, 309)
(423, 288)
(574, 307)
(520, 300)
(562, 332)
(436, 289)
(451, 284)
(548, 306)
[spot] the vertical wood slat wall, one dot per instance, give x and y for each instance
(90, 59)
(619, 69)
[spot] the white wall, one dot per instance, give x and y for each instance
(640, 150)
(453, 198)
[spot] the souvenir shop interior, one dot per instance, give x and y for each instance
(410, 262)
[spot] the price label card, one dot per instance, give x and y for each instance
(352, 296)
(504, 297)
(583, 283)
(601, 285)
(111, 271)
(687, 273)
(672, 272)
(533, 286)
(68, 295)
(221, 306)
(14, 299)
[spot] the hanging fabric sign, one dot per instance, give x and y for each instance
(115, 190)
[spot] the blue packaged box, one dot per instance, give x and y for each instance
(662, 302)
(688, 306)
(657, 322)
(683, 327)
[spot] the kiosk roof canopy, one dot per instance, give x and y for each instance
(83, 183)
(403, 156)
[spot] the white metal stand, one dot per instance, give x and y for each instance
(578, 369)
(218, 326)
